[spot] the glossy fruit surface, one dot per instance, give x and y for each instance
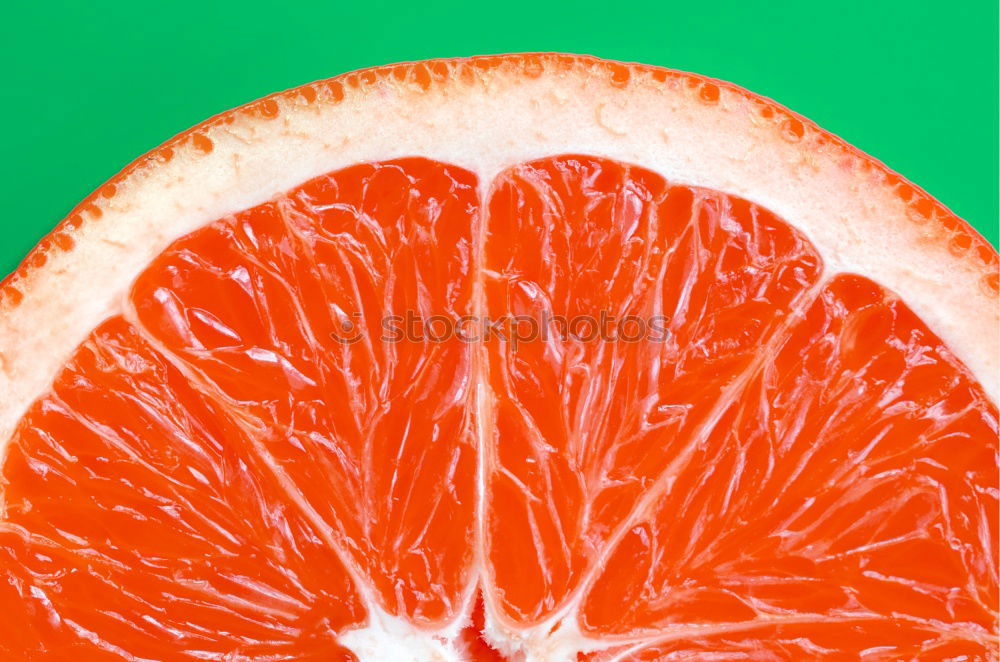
(784, 462)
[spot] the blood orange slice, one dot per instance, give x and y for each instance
(534, 358)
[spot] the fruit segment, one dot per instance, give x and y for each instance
(791, 640)
(138, 522)
(665, 296)
(852, 481)
(284, 313)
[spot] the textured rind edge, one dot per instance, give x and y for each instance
(953, 242)
(956, 235)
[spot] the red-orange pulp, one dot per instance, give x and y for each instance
(799, 469)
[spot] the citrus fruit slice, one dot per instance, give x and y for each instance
(530, 357)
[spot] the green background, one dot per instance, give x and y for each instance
(89, 86)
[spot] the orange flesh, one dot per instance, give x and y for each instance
(798, 469)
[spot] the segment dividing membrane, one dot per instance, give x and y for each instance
(244, 468)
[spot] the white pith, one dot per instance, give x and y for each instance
(486, 125)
